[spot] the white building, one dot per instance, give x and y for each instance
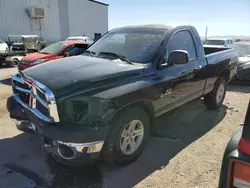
(62, 18)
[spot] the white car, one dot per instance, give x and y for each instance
(218, 42)
(3, 47)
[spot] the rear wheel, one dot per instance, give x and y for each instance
(215, 99)
(128, 136)
(14, 62)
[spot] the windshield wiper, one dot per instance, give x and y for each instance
(121, 57)
(90, 53)
(44, 53)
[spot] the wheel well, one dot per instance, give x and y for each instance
(15, 59)
(145, 105)
(148, 107)
(226, 74)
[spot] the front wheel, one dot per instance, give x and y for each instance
(128, 137)
(215, 99)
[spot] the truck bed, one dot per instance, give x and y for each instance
(218, 54)
(210, 50)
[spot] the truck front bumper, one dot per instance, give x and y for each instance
(69, 144)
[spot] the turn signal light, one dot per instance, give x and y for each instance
(241, 175)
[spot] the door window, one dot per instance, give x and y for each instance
(182, 40)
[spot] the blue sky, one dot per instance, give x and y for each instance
(223, 17)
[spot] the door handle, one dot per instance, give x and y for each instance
(197, 68)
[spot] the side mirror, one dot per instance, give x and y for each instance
(178, 57)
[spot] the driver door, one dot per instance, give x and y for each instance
(179, 83)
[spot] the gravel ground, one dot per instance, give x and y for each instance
(187, 152)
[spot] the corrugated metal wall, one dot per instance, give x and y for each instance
(93, 18)
(15, 21)
(63, 18)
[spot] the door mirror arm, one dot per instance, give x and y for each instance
(164, 64)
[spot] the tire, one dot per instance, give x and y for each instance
(14, 62)
(215, 99)
(112, 151)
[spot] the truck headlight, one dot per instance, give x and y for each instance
(97, 107)
(75, 110)
(38, 61)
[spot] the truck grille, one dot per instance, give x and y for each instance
(25, 97)
(41, 95)
(42, 109)
(21, 85)
(35, 96)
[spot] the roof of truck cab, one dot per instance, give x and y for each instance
(149, 26)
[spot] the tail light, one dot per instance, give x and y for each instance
(244, 143)
(244, 146)
(241, 175)
(241, 169)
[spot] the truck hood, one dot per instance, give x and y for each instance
(34, 56)
(78, 73)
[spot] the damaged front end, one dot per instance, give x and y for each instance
(35, 109)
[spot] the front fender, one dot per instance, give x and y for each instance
(139, 92)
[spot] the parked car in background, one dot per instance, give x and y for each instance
(31, 43)
(3, 47)
(218, 42)
(83, 38)
(20, 45)
(103, 103)
(54, 51)
(235, 169)
(243, 70)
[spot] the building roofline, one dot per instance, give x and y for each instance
(98, 2)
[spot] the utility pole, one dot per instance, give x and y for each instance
(206, 33)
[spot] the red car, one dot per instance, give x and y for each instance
(55, 51)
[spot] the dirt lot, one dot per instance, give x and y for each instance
(187, 152)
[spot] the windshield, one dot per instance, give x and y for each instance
(53, 48)
(214, 42)
(136, 45)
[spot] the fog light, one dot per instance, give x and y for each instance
(241, 175)
(65, 152)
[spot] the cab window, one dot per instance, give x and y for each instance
(182, 40)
